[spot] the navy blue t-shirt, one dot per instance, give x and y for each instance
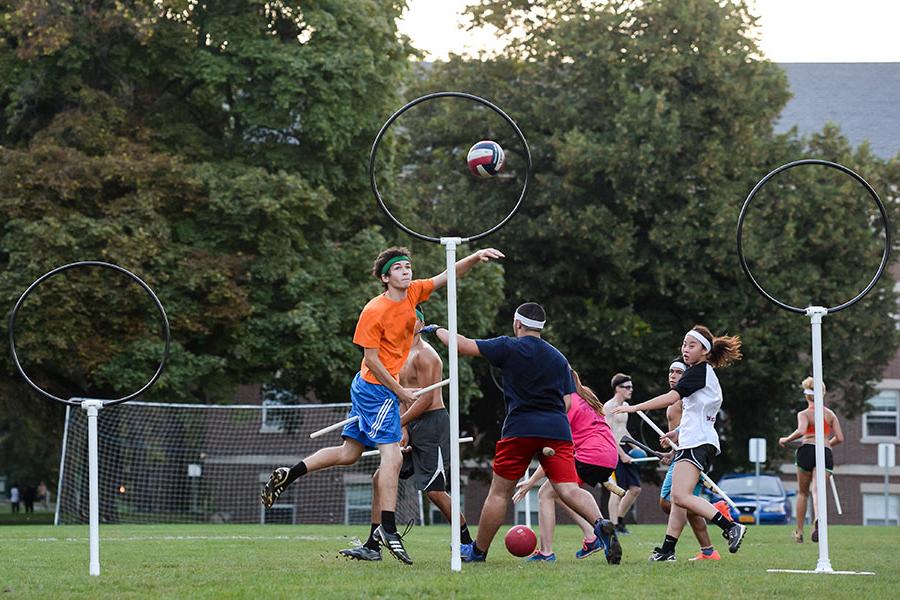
(536, 376)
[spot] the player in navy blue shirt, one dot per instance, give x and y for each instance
(537, 383)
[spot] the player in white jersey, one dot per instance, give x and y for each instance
(701, 397)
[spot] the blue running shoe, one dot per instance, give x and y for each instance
(589, 548)
(468, 554)
(538, 557)
(606, 533)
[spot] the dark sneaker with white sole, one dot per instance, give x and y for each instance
(361, 553)
(734, 535)
(660, 555)
(394, 544)
(274, 486)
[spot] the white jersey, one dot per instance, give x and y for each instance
(701, 398)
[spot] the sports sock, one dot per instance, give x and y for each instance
(669, 543)
(388, 521)
(722, 522)
(372, 543)
(464, 536)
(296, 472)
(707, 551)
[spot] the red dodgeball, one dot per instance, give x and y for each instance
(520, 541)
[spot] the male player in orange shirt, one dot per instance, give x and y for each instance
(385, 331)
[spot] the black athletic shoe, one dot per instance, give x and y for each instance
(734, 535)
(660, 555)
(274, 486)
(606, 533)
(394, 543)
(361, 553)
(621, 529)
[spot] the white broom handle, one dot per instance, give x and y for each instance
(341, 424)
(709, 482)
(462, 440)
(837, 500)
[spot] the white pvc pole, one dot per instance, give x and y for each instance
(62, 465)
(815, 314)
(92, 407)
(837, 499)
(455, 557)
(527, 499)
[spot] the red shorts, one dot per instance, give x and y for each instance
(513, 455)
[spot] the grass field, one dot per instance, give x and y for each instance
(249, 561)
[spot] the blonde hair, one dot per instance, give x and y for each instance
(809, 383)
(587, 393)
(723, 351)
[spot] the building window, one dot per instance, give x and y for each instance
(873, 509)
(883, 417)
(358, 503)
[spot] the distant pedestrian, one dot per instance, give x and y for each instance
(43, 495)
(14, 498)
(28, 499)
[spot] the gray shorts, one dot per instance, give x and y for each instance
(429, 459)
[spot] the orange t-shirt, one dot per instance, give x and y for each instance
(388, 326)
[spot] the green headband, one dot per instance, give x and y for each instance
(387, 266)
(420, 315)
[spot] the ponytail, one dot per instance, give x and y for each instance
(587, 393)
(724, 350)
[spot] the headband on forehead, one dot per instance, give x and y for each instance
(809, 392)
(699, 337)
(677, 364)
(420, 315)
(529, 322)
(387, 266)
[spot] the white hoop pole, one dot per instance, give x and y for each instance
(62, 464)
(93, 407)
(708, 482)
(815, 314)
(455, 557)
(526, 477)
(837, 499)
(341, 424)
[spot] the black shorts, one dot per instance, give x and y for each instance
(805, 458)
(701, 456)
(627, 475)
(429, 459)
(592, 474)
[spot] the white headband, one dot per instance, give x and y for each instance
(809, 392)
(529, 322)
(699, 337)
(678, 365)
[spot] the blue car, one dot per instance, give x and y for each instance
(775, 508)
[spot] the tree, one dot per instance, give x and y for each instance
(217, 150)
(649, 123)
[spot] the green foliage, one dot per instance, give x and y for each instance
(649, 123)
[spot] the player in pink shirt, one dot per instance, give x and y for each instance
(595, 460)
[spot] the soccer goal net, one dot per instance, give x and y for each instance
(194, 463)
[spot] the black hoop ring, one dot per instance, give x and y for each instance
(406, 107)
(884, 219)
(88, 263)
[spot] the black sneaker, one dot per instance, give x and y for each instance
(394, 543)
(621, 529)
(660, 555)
(361, 553)
(606, 533)
(815, 534)
(734, 535)
(274, 486)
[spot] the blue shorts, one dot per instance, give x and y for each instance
(379, 414)
(665, 492)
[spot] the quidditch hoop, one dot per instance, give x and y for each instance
(843, 169)
(88, 263)
(496, 109)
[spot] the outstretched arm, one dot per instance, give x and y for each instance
(464, 345)
(464, 265)
(670, 397)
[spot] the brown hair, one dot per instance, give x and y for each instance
(383, 257)
(724, 350)
(587, 393)
(618, 379)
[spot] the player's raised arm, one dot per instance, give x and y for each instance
(464, 265)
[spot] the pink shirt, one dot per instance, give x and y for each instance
(593, 439)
